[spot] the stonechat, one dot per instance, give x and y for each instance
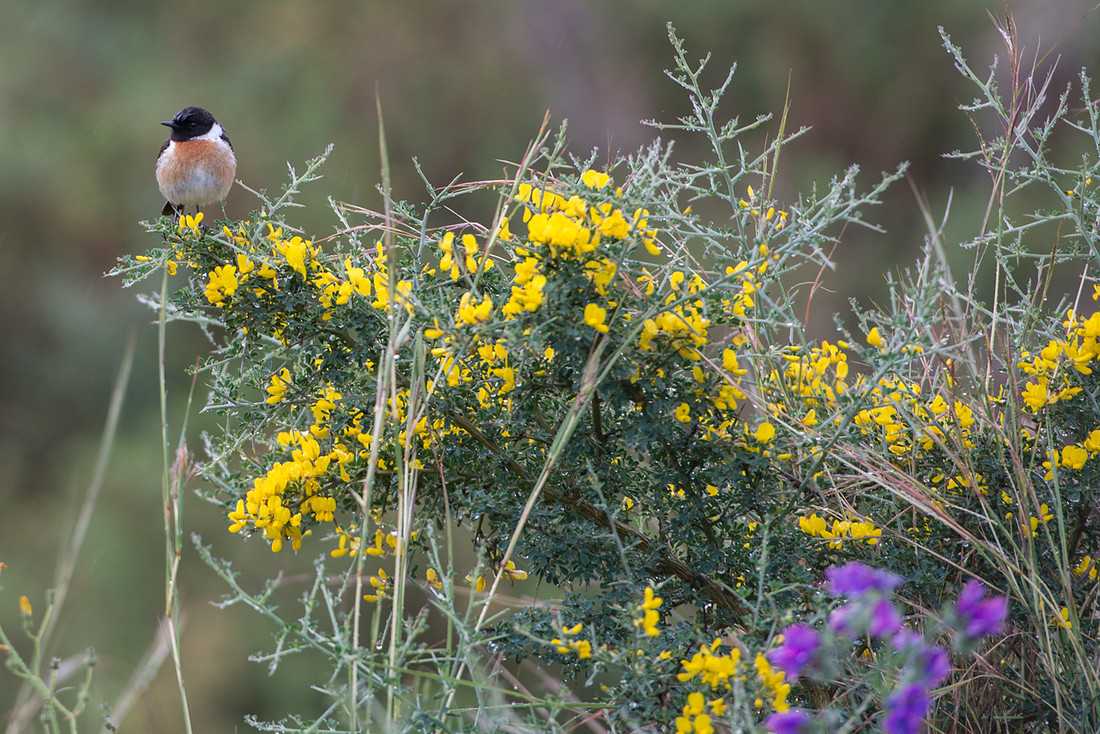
(196, 164)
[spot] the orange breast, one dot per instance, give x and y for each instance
(196, 172)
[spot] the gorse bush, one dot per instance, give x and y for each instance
(615, 394)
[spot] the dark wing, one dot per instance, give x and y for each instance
(168, 210)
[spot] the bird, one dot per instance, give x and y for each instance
(196, 164)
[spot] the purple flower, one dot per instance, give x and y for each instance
(800, 642)
(841, 620)
(929, 665)
(879, 619)
(905, 709)
(885, 619)
(788, 722)
(977, 615)
(855, 578)
(932, 666)
(906, 639)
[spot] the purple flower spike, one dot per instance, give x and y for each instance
(840, 620)
(905, 709)
(932, 666)
(907, 638)
(885, 619)
(788, 722)
(800, 642)
(977, 615)
(879, 619)
(855, 578)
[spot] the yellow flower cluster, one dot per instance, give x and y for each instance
(1074, 455)
(561, 229)
(694, 719)
(1049, 369)
(721, 672)
(510, 571)
(472, 312)
(292, 490)
(583, 648)
(299, 254)
(348, 540)
(683, 326)
(717, 671)
(383, 586)
(897, 414)
(488, 364)
(263, 507)
(650, 616)
(338, 292)
(276, 389)
(909, 424)
(527, 287)
(571, 227)
(190, 225)
(1086, 567)
(840, 530)
(464, 262)
(223, 282)
(886, 419)
(297, 257)
(817, 376)
(774, 683)
(770, 218)
(960, 482)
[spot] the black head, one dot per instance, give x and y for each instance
(190, 122)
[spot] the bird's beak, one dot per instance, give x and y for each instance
(170, 123)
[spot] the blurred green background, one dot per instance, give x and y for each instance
(83, 86)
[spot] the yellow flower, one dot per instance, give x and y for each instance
(1035, 395)
(277, 389)
(594, 316)
(683, 413)
(512, 573)
(650, 616)
(715, 670)
(381, 584)
(1074, 457)
(874, 339)
(729, 362)
(765, 433)
(773, 681)
(190, 222)
(583, 648)
(349, 542)
(595, 179)
(297, 252)
(479, 583)
(222, 283)
(473, 313)
(1062, 619)
(1086, 566)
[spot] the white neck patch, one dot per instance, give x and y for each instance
(215, 133)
